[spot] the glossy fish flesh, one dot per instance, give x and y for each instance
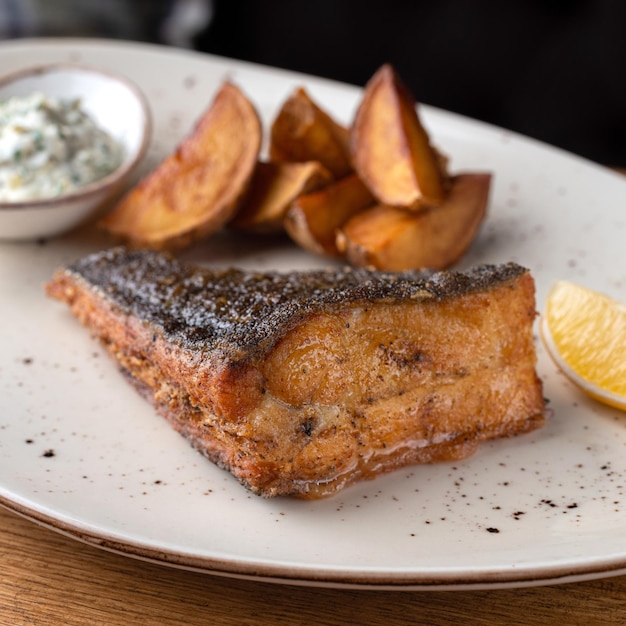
(301, 383)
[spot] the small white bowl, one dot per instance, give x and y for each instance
(117, 106)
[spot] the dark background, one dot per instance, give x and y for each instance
(553, 70)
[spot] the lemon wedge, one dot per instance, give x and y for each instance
(585, 334)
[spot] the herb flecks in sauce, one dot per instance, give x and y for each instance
(49, 147)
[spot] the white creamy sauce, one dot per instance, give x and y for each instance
(49, 147)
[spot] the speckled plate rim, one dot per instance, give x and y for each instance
(276, 573)
(271, 570)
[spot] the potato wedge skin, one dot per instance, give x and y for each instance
(313, 219)
(376, 194)
(393, 239)
(273, 188)
(390, 148)
(195, 190)
(302, 131)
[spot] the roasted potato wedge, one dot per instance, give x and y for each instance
(302, 131)
(391, 150)
(195, 190)
(313, 219)
(273, 188)
(394, 239)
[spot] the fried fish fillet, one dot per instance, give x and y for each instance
(302, 383)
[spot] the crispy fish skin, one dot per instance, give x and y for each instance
(302, 383)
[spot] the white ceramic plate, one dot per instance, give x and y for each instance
(82, 453)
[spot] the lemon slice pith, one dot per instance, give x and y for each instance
(585, 334)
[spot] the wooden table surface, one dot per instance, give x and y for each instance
(47, 578)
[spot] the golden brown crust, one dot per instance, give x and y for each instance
(196, 189)
(345, 390)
